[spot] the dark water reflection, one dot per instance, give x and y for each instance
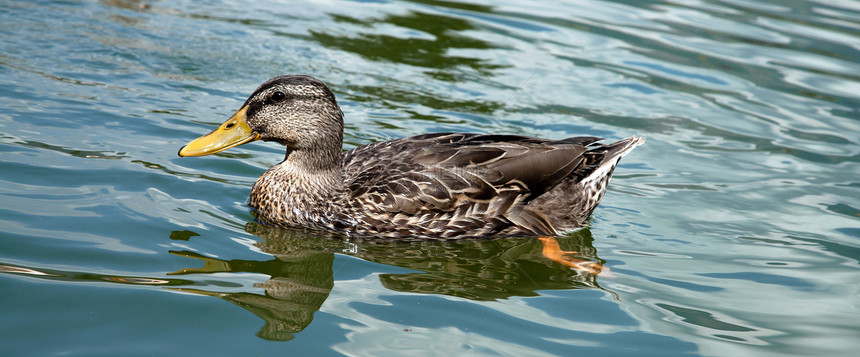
(301, 273)
(442, 35)
(428, 41)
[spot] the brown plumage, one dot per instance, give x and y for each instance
(442, 185)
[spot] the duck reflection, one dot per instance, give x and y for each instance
(302, 276)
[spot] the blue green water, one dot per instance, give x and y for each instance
(734, 231)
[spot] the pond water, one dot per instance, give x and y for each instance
(734, 231)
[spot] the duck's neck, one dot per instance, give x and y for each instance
(305, 189)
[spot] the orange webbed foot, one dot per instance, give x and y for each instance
(553, 251)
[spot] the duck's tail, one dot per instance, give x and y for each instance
(571, 202)
(601, 161)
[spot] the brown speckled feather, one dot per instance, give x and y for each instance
(471, 184)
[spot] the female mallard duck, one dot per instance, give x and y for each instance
(435, 185)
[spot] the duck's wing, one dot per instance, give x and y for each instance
(445, 172)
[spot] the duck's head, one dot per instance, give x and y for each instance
(297, 111)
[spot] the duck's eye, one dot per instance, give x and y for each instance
(278, 96)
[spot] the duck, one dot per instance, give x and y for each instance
(430, 186)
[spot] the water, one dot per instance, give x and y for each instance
(734, 231)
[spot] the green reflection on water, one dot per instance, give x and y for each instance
(422, 52)
(301, 274)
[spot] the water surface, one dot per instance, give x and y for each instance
(734, 231)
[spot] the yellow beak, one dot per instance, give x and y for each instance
(234, 132)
